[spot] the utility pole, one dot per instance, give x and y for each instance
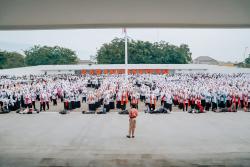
(244, 55)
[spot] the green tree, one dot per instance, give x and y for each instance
(111, 52)
(45, 55)
(245, 63)
(247, 60)
(11, 60)
(143, 52)
(2, 59)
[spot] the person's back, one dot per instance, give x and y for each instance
(133, 113)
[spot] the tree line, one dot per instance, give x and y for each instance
(245, 63)
(139, 52)
(109, 53)
(38, 55)
(11, 60)
(143, 52)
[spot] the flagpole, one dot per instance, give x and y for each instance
(126, 53)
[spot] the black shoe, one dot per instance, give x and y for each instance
(133, 136)
(128, 136)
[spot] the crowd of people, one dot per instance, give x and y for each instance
(190, 92)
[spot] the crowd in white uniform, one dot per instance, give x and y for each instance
(195, 93)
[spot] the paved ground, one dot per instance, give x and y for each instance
(176, 139)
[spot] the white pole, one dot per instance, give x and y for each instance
(126, 53)
(245, 51)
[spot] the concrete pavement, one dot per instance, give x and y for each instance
(176, 139)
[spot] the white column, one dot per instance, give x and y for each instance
(126, 53)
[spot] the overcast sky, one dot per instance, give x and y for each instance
(220, 44)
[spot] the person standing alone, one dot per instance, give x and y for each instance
(133, 113)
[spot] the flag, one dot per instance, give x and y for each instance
(124, 30)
